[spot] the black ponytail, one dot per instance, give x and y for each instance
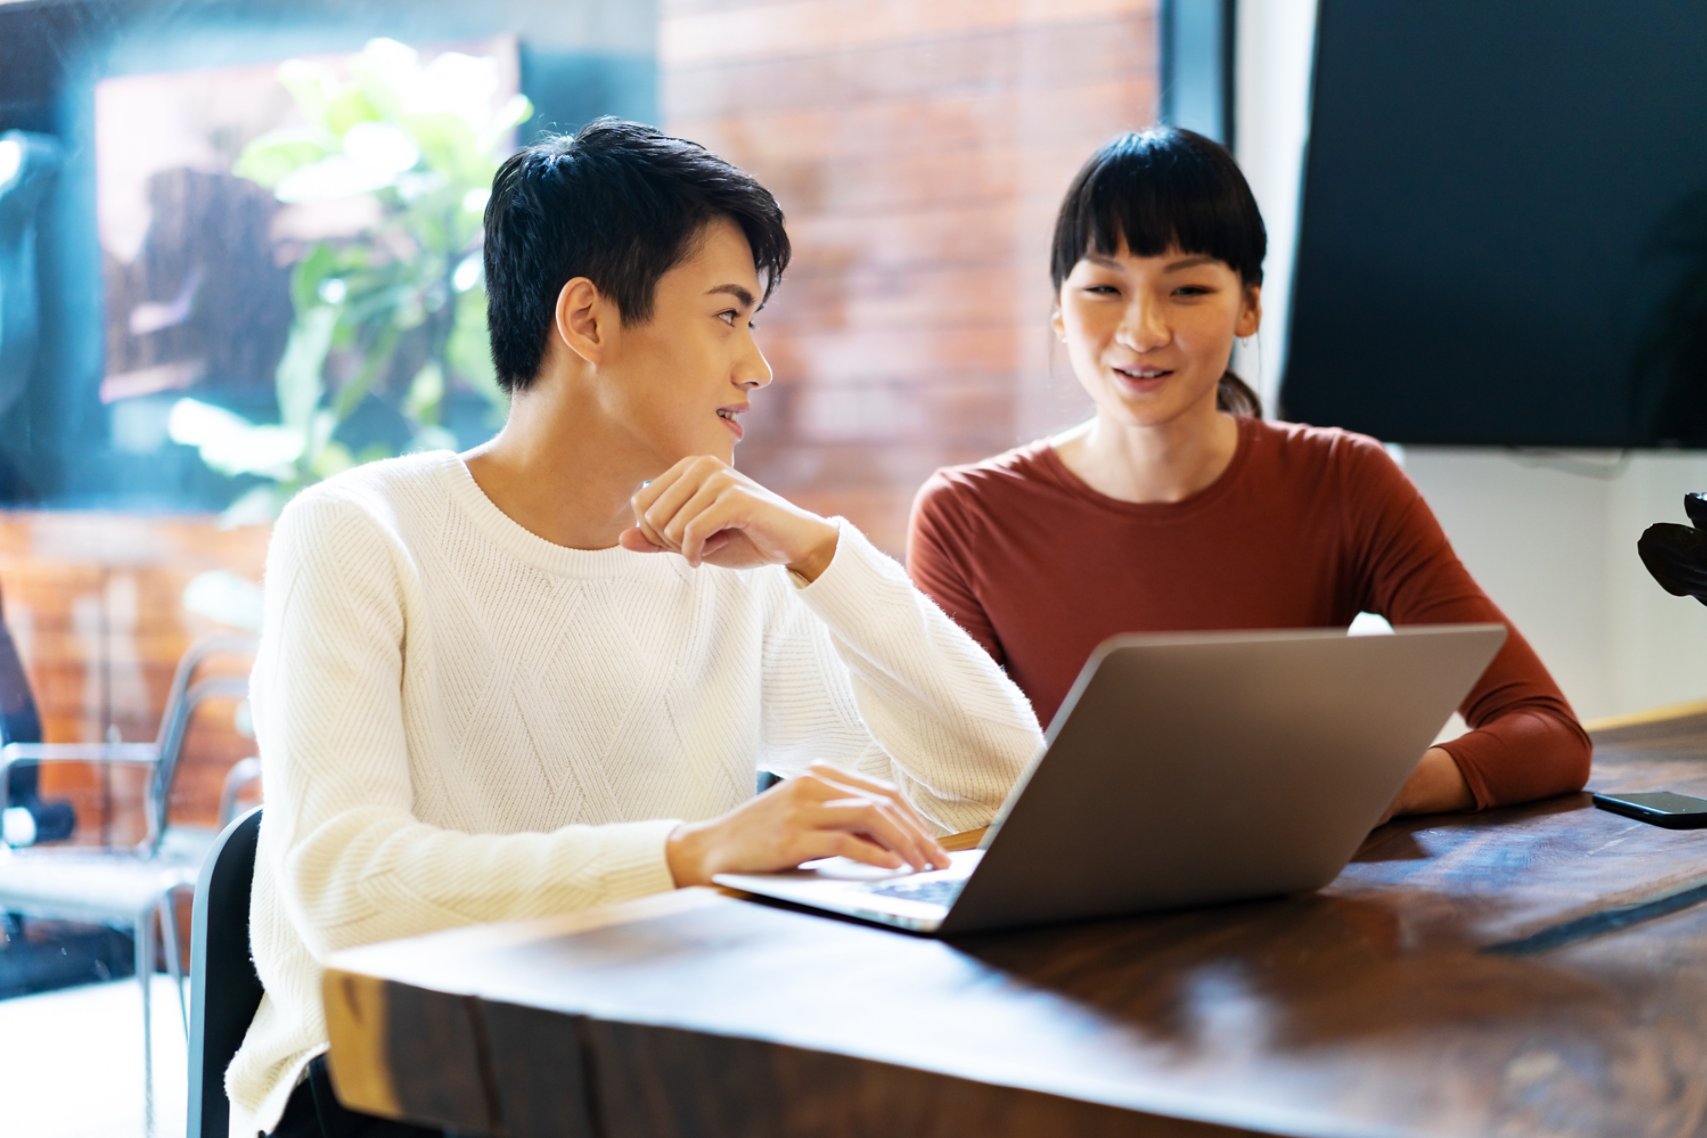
(1235, 396)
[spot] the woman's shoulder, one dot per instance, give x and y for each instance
(1320, 467)
(1301, 447)
(1022, 465)
(1019, 472)
(973, 501)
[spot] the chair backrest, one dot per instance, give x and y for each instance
(19, 720)
(183, 695)
(224, 990)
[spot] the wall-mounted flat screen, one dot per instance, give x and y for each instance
(1503, 238)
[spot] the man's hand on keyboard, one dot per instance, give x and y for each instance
(825, 812)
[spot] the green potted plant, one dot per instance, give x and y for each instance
(395, 312)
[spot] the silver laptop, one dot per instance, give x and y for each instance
(1181, 770)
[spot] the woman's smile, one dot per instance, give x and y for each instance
(1137, 380)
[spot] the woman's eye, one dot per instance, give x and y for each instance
(1192, 290)
(1101, 290)
(728, 317)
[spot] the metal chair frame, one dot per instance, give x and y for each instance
(173, 869)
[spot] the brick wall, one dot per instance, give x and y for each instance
(95, 605)
(919, 151)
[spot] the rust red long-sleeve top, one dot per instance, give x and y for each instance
(1307, 527)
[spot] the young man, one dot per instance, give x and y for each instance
(542, 675)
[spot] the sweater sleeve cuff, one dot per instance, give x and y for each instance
(633, 858)
(1473, 778)
(842, 593)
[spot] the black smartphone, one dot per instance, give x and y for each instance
(1660, 807)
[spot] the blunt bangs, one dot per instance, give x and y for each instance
(1161, 189)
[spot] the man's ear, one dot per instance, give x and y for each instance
(1250, 319)
(586, 321)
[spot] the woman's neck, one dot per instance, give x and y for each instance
(1169, 462)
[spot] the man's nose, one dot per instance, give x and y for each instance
(752, 369)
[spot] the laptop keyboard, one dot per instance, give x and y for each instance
(936, 891)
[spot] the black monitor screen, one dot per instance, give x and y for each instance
(1503, 238)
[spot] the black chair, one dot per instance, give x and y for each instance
(50, 820)
(224, 990)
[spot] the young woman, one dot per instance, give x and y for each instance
(1177, 507)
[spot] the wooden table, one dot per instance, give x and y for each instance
(1531, 971)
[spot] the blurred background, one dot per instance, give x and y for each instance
(239, 251)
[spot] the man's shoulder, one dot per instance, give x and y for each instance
(387, 477)
(391, 494)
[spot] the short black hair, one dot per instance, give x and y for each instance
(620, 203)
(1160, 189)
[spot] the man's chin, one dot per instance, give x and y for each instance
(723, 451)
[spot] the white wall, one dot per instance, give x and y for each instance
(1552, 537)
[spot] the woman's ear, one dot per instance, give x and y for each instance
(585, 321)
(1250, 317)
(1057, 323)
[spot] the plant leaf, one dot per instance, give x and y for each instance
(300, 376)
(230, 443)
(449, 145)
(432, 438)
(193, 422)
(378, 356)
(320, 430)
(425, 401)
(311, 86)
(468, 351)
(515, 111)
(276, 155)
(347, 108)
(256, 506)
(310, 273)
(333, 458)
(387, 73)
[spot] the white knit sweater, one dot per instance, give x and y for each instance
(459, 722)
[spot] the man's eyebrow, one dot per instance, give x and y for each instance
(741, 294)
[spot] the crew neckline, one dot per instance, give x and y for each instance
(1050, 460)
(525, 545)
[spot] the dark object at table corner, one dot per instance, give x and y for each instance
(1676, 555)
